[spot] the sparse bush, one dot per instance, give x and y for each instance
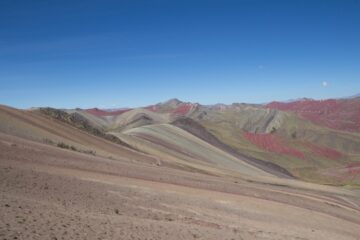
(73, 148)
(293, 135)
(91, 152)
(63, 145)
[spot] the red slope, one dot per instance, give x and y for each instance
(353, 168)
(324, 151)
(337, 114)
(183, 109)
(101, 113)
(272, 143)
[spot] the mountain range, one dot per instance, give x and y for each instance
(190, 167)
(313, 140)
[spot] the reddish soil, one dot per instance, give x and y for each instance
(336, 114)
(324, 151)
(183, 109)
(353, 168)
(272, 143)
(102, 113)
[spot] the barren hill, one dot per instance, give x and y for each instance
(176, 170)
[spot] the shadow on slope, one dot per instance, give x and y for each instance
(199, 131)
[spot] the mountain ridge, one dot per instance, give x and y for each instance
(312, 140)
(261, 134)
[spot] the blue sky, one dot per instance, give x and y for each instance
(134, 53)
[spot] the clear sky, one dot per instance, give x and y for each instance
(133, 53)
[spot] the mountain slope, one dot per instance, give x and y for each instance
(341, 114)
(34, 125)
(201, 132)
(280, 142)
(62, 176)
(295, 144)
(191, 149)
(65, 194)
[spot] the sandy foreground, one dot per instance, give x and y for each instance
(50, 193)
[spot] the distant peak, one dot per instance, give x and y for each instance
(354, 96)
(172, 101)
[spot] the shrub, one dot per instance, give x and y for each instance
(63, 145)
(91, 152)
(73, 148)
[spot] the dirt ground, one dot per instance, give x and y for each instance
(51, 193)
